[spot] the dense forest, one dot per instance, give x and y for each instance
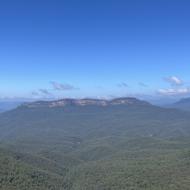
(120, 147)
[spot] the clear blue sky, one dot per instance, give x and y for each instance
(77, 48)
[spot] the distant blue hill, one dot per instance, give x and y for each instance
(8, 105)
(183, 104)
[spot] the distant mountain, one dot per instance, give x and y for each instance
(86, 102)
(75, 144)
(8, 105)
(183, 104)
(71, 121)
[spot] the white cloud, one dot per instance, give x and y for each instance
(174, 81)
(174, 91)
(177, 87)
(62, 87)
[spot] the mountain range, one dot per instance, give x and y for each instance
(77, 144)
(86, 102)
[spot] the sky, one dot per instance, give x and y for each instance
(94, 48)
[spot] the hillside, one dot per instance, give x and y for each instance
(8, 105)
(85, 102)
(94, 144)
(75, 123)
(139, 164)
(183, 104)
(16, 173)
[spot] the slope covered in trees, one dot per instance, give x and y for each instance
(132, 146)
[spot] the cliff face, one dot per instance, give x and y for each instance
(86, 102)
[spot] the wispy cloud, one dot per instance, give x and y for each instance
(44, 91)
(174, 81)
(177, 87)
(174, 91)
(123, 85)
(35, 93)
(50, 92)
(143, 84)
(41, 93)
(62, 87)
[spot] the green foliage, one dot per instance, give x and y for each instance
(16, 174)
(95, 148)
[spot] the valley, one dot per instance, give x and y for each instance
(125, 144)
